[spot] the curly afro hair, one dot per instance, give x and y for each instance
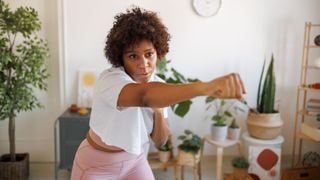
(131, 27)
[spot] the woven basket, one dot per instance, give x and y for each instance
(264, 126)
(18, 170)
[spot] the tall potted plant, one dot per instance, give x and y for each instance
(265, 122)
(22, 69)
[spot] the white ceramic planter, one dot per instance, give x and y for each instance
(219, 133)
(234, 133)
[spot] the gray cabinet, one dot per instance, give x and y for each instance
(70, 131)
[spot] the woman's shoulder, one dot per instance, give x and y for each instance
(114, 74)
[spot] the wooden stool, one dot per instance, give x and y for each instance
(220, 145)
(191, 160)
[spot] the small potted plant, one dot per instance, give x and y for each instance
(222, 112)
(234, 130)
(165, 151)
(189, 149)
(240, 167)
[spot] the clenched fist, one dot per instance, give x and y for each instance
(226, 87)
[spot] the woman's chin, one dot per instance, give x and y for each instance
(142, 79)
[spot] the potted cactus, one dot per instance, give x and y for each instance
(265, 122)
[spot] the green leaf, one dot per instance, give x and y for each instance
(268, 92)
(210, 99)
(259, 87)
(182, 108)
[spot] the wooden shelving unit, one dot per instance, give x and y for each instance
(303, 92)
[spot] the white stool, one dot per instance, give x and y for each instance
(251, 141)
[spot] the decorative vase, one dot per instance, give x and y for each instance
(164, 156)
(264, 126)
(219, 133)
(234, 133)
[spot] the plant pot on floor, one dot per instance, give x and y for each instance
(164, 156)
(240, 173)
(264, 126)
(17, 170)
(219, 133)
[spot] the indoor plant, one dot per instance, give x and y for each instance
(265, 122)
(223, 111)
(240, 167)
(173, 76)
(234, 130)
(189, 149)
(22, 69)
(165, 151)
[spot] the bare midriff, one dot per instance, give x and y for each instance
(99, 142)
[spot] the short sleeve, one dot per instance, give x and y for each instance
(110, 84)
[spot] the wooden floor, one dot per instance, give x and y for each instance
(45, 171)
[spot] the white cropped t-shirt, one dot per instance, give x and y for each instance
(126, 128)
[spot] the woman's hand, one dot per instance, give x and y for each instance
(227, 87)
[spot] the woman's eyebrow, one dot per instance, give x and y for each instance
(151, 49)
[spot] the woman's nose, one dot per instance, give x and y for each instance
(143, 63)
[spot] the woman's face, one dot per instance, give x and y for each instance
(140, 61)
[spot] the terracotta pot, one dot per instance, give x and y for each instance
(264, 126)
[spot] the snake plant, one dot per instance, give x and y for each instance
(266, 98)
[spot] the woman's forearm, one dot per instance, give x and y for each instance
(161, 129)
(155, 94)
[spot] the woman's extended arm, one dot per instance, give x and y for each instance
(156, 94)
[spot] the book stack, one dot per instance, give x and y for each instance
(313, 105)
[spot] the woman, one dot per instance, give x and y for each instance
(129, 100)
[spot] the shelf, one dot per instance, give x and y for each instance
(305, 137)
(311, 67)
(315, 25)
(303, 88)
(312, 46)
(308, 113)
(304, 131)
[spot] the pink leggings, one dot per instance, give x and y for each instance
(92, 164)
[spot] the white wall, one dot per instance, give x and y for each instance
(237, 39)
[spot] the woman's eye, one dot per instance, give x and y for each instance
(133, 56)
(149, 54)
